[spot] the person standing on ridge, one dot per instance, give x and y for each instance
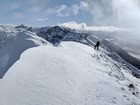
(97, 45)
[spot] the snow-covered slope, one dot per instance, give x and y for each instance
(128, 39)
(13, 41)
(57, 34)
(71, 74)
(127, 57)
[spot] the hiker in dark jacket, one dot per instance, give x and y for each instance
(97, 45)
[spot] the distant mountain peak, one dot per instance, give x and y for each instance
(25, 27)
(21, 26)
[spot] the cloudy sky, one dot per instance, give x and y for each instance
(52, 12)
(43, 12)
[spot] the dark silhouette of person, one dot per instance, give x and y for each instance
(97, 45)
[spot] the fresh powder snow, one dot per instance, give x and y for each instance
(12, 43)
(71, 74)
(34, 72)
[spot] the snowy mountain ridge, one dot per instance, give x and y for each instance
(71, 74)
(67, 72)
(13, 42)
(57, 34)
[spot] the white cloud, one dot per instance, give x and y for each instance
(61, 8)
(128, 13)
(75, 9)
(83, 26)
(61, 11)
(74, 25)
(84, 5)
(124, 13)
(64, 10)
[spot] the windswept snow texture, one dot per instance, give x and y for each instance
(13, 41)
(71, 74)
(114, 48)
(57, 34)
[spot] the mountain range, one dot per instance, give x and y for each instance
(57, 65)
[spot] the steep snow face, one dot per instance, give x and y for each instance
(12, 43)
(114, 48)
(71, 74)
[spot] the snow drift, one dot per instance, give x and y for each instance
(57, 34)
(14, 41)
(71, 74)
